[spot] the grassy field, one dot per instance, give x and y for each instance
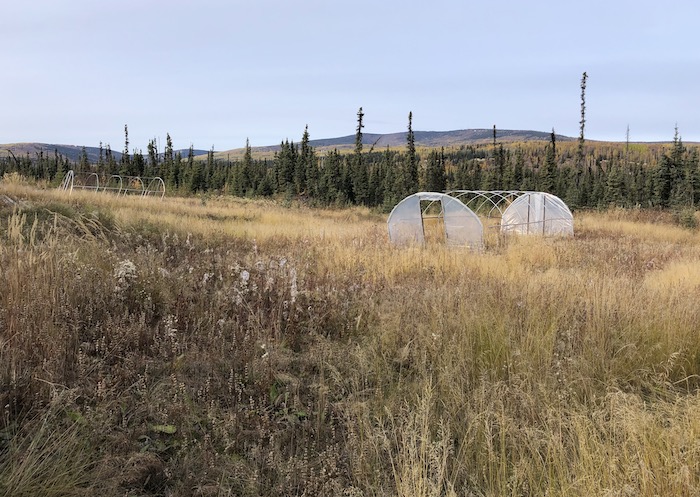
(217, 346)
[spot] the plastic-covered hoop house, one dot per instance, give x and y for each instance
(538, 213)
(455, 217)
(407, 221)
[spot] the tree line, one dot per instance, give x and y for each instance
(584, 175)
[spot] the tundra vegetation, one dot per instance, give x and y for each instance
(226, 346)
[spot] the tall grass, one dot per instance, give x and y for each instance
(226, 347)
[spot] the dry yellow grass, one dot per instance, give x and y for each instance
(223, 346)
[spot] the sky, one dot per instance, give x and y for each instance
(215, 73)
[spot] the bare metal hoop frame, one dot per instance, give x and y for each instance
(114, 183)
(491, 203)
(494, 203)
(487, 203)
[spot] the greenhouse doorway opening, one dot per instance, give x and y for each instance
(433, 222)
(427, 217)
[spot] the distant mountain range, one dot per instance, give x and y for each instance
(428, 139)
(70, 152)
(439, 138)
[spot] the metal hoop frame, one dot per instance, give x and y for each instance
(115, 183)
(493, 204)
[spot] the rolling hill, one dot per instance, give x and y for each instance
(71, 152)
(428, 139)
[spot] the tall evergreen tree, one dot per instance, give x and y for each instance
(666, 179)
(359, 173)
(682, 174)
(111, 162)
(246, 173)
(84, 163)
(125, 168)
(101, 161)
(172, 175)
(153, 158)
(580, 153)
(304, 164)
(285, 161)
(196, 181)
(435, 177)
(411, 160)
(138, 164)
(615, 189)
(548, 180)
(579, 191)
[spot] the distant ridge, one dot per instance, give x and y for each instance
(70, 152)
(439, 138)
(428, 139)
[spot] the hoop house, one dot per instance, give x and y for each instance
(538, 213)
(407, 221)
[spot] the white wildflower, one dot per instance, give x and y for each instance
(269, 283)
(125, 274)
(293, 290)
(245, 276)
(170, 325)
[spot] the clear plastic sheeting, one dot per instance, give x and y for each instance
(407, 221)
(538, 213)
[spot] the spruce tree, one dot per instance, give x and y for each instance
(358, 169)
(153, 159)
(681, 174)
(580, 153)
(172, 176)
(111, 162)
(307, 177)
(579, 193)
(304, 164)
(194, 172)
(392, 180)
(662, 182)
(411, 185)
(285, 161)
(101, 160)
(548, 181)
(84, 163)
(138, 164)
(435, 178)
(125, 168)
(615, 190)
(246, 184)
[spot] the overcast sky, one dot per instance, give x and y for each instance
(215, 72)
